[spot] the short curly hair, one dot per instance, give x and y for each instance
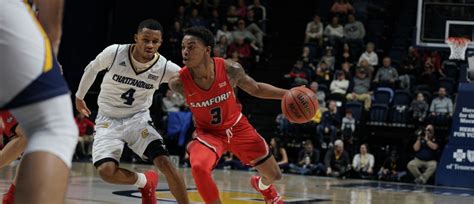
(204, 34)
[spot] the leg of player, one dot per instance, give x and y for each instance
(111, 173)
(10, 152)
(52, 136)
(202, 161)
(270, 173)
(9, 196)
(13, 149)
(173, 177)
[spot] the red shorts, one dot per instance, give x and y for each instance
(244, 142)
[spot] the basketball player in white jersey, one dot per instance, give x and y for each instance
(32, 88)
(134, 72)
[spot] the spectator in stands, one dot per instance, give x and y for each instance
(361, 89)
(242, 9)
(181, 16)
(323, 74)
(298, 74)
(363, 163)
(215, 21)
(172, 102)
(337, 161)
(346, 53)
(283, 124)
(314, 31)
(307, 58)
(370, 55)
(419, 108)
(243, 49)
(364, 65)
(339, 86)
(260, 13)
(222, 45)
(330, 121)
(279, 152)
(431, 63)
(334, 32)
(346, 69)
(255, 39)
(308, 160)
(428, 76)
(235, 56)
(392, 169)
(314, 86)
(386, 75)
(354, 32)
(196, 19)
(441, 108)
(435, 59)
(232, 17)
(174, 40)
(224, 31)
(348, 126)
(425, 148)
(411, 63)
(86, 129)
(329, 59)
(341, 8)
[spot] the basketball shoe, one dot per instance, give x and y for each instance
(149, 190)
(270, 195)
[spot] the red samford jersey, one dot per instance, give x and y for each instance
(10, 124)
(216, 108)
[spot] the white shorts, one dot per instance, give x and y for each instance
(29, 71)
(31, 84)
(136, 131)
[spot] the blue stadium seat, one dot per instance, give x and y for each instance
(401, 98)
(378, 114)
(382, 96)
(399, 116)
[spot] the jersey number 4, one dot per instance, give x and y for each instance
(216, 116)
(128, 96)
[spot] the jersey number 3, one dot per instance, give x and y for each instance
(216, 116)
(128, 96)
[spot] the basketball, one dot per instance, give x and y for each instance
(299, 105)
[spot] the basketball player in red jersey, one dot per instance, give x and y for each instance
(207, 83)
(12, 150)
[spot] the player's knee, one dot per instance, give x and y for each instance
(200, 169)
(107, 171)
(163, 163)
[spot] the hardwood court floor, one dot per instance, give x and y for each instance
(86, 187)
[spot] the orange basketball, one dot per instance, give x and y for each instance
(299, 105)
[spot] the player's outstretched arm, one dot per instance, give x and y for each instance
(175, 84)
(238, 76)
(103, 61)
(51, 17)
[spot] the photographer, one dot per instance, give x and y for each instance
(425, 155)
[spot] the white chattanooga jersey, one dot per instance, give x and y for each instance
(124, 91)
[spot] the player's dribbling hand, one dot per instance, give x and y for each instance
(81, 106)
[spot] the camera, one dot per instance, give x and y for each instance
(420, 132)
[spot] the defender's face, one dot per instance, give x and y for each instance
(193, 51)
(147, 42)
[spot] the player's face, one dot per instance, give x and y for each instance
(147, 42)
(193, 51)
